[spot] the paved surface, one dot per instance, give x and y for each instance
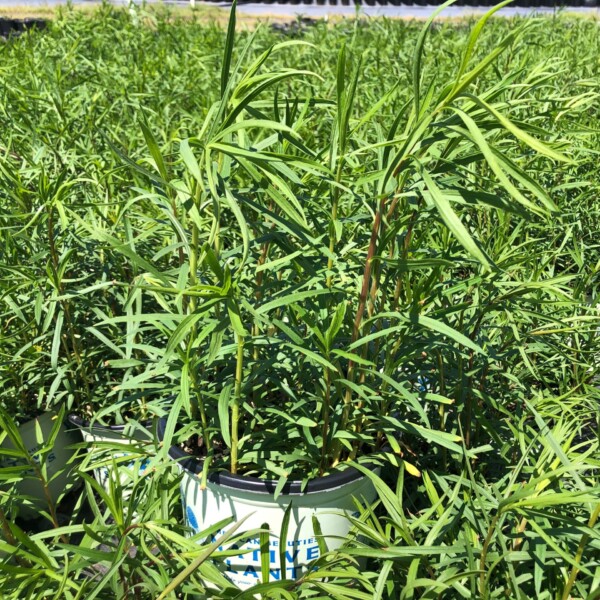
(392, 11)
(315, 11)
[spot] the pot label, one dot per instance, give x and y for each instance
(103, 473)
(245, 569)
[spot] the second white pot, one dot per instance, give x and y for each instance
(108, 444)
(35, 435)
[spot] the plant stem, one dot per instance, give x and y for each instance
(8, 535)
(469, 399)
(364, 292)
(579, 554)
(325, 417)
(10, 538)
(196, 405)
(258, 286)
(334, 215)
(198, 409)
(469, 404)
(55, 265)
(235, 410)
(48, 496)
(442, 409)
(484, 551)
(195, 244)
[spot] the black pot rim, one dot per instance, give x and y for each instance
(39, 415)
(255, 485)
(82, 423)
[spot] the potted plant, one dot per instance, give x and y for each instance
(116, 420)
(52, 358)
(289, 308)
(36, 461)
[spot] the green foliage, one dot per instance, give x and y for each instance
(378, 236)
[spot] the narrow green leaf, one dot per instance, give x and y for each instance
(190, 161)
(418, 57)
(265, 556)
(223, 409)
(452, 221)
(319, 535)
(474, 36)
(527, 139)
(228, 52)
(205, 554)
(285, 300)
(448, 331)
(56, 341)
(154, 150)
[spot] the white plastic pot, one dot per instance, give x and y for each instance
(58, 471)
(329, 499)
(99, 439)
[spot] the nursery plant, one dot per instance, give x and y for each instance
(278, 330)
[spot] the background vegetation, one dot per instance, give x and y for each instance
(494, 490)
